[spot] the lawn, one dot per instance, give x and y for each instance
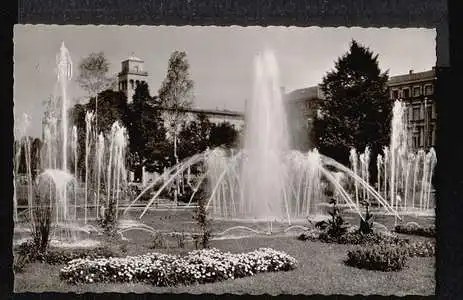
(320, 271)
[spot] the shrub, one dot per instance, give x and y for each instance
(180, 238)
(382, 257)
(159, 241)
(366, 224)
(41, 217)
(410, 228)
(311, 235)
(420, 248)
(202, 218)
(199, 266)
(27, 253)
(336, 225)
(63, 256)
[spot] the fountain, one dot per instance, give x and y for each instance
(57, 191)
(404, 176)
(266, 180)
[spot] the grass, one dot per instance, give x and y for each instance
(321, 271)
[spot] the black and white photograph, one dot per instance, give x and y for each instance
(224, 160)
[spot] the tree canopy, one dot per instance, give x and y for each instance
(356, 109)
(93, 74)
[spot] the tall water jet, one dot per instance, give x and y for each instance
(398, 140)
(266, 140)
(88, 129)
(100, 153)
(354, 165)
(64, 76)
(74, 143)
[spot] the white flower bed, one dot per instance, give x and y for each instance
(199, 266)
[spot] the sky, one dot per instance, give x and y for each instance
(221, 58)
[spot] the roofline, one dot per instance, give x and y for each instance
(133, 59)
(229, 113)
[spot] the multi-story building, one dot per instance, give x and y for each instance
(216, 116)
(301, 110)
(417, 91)
(131, 75)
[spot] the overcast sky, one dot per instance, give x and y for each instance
(221, 58)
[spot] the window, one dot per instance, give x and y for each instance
(433, 135)
(131, 84)
(429, 111)
(406, 93)
(135, 68)
(421, 136)
(416, 113)
(395, 94)
(416, 91)
(416, 140)
(428, 89)
(433, 109)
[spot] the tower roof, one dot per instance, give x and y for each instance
(134, 58)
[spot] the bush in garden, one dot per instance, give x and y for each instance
(336, 225)
(202, 218)
(27, 253)
(420, 248)
(199, 266)
(366, 224)
(159, 241)
(411, 228)
(382, 257)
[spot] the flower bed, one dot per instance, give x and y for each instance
(415, 229)
(200, 266)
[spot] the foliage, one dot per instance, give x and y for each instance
(159, 241)
(146, 127)
(93, 74)
(420, 248)
(176, 94)
(63, 256)
(366, 224)
(41, 219)
(223, 135)
(382, 257)
(28, 252)
(356, 109)
(109, 220)
(336, 225)
(199, 266)
(357, 238)
(411, 228)
(202, 218)
(34, 145)
(112, 107)
(193, 138)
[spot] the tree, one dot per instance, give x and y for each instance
(93, 76)
(194, 136)
(176, 94)
(146, 127)
(224, 135)
(112, 107)
(356, 110)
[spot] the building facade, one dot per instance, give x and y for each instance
(415, 89)
(417, 92)
(236, 119)
(131, 75)
(301, 110)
